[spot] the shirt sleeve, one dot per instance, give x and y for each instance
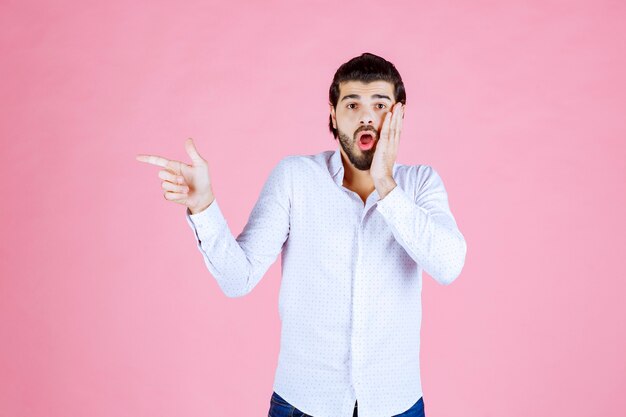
(238, 264)
(426, 228)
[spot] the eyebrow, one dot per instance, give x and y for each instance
(358, 96)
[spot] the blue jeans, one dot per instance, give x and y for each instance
(281, 408)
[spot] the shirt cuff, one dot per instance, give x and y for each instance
(209, 222)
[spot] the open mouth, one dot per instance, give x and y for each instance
(365, 141)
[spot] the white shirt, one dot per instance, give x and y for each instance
(350, 294)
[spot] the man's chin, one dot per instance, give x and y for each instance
(365, 161)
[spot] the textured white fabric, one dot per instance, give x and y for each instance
(350, 294)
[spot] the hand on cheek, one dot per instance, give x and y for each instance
(387, 146)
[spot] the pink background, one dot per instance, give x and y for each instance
(106, 307)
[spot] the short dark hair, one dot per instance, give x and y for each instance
(366, 68)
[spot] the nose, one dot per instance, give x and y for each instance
(366, 117)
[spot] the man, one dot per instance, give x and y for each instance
(356, 230)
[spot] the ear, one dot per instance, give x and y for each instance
(332, 114)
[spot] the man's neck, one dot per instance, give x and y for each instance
(355, 179)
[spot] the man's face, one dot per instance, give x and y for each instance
(360, 111)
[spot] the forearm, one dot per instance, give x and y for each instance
(238, 264)
(432, 239)
(223, 255)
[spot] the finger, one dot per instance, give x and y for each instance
(394, 122)
(168, 186)
(175, 197)
(167, 175)
(153, 159)
(193, 152)
(384, 131)
(174, 166)
(398, 124)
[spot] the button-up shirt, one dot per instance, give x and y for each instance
(350, 293)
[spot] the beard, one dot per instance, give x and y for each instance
(361, 160)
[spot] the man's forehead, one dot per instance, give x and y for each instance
(366, 90)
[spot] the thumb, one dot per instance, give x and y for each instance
(193, 152)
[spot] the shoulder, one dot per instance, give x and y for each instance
(426, 173)
(285, 165)
(418, 178)
(430, 184)
(419, 172)
(302, 164)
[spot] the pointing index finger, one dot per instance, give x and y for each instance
(173, 166)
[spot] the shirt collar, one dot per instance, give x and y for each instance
(336, 166)
(336, 169)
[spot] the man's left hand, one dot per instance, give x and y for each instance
(386, 151)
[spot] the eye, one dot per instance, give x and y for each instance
(350, 104)
(383, 106)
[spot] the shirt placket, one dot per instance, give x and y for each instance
(358, 324)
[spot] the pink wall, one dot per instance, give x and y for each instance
(106, 307)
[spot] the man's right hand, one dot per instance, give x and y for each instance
(189, 185)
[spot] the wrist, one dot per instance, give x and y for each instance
(384, 185)
(201, 207)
